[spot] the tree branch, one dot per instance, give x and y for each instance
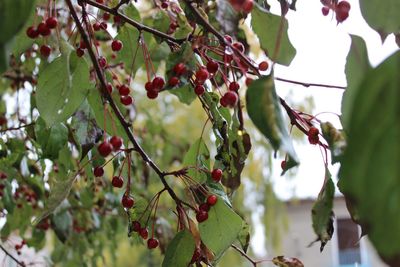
(310, 84)
(108, 97)
(253, 262)
(11, 256)
(16, 128)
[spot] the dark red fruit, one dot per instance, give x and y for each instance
(248, 81)
(116, 142)
(80, 52)
(105, 149)
(325, 10)
(127, 201)
(164, 5)
(234, 86)
(216, 175)
(102, 62)
(152, 243)
(148, 86)
(96, 26)
(313, 131)
(202, 74)
(117, 19)
(212, 66)
(106, 16)
(199, 90)
(116, 45)
(152, 94)
(263, 66)
(43, 29)
(144, 233)
(228, 38)
(158, 83)
(179, 69)
(126, 100)
(123, 90)
(248, 6)
(201, 216)
(51, 22)
(313, 139)
(45, 50)
(31, 32)
(98, 171)
(173, 81)
(136, 226)
(204, 207)
(342, 11)
(239, 46)
(117, 181)
(230, 99)
(212, 200)
(3, 176)
(283, 164)
(103, 25)
(109, 87)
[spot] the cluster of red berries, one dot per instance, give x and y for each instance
(44, 29)
(341, 9)
(24, 194)
(18, 247)
(124, 92)
(313, 135)
(179, 70)
(154, 87)
(44, 224)
(204, 208)
(144, 233)
(245, 6)
(106, 147)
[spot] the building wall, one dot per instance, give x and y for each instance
(300, 234)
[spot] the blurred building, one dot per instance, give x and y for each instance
(344, 250)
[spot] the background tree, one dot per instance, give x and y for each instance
(95, 146)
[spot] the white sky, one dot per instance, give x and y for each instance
(322, 47)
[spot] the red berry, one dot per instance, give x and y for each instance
(31, 32)
(344, 5)
(173, 81)
(216, 175)
(98, 171)
(109, 87)
(96, 26)
(179, 69)
(144, 233)
(212, 66)
(103, 25)
(263, 66)
(228, 38)
(105, 149)
(313, 131)
(202, 74)
(152, 243)
(283, 164)
(204, 207)
(117, 181)
(43, 29)
(239, 46)
(45, 50)
(234, 86)
(80, 52)
(106, 16)
(248, 6)
(136, 226)
(127, 201)
(102, 62)
(148, 86)
(313, 139)
(116, 45)
(342, 11)
(158, 83)
(117, 19)
(248, 81)
(325, 10)
(230, 99)
(199, 90)
(51, 22)
(152, 94)
(126, 100)
(201, 216)
(116, 142)
(123, 90)
(100, 1)
(212, 200)
(3, 176)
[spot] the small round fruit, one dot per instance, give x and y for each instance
(106, 16)
(228, 38)
(149, 86)
(248, 6)
(199, 90)
(314, 140)
(204, 207)
(283, 165)
(103, 25)
(116, 142)
(45, 50)
(102, 62)
(325, 10)
(179, 69)
(80, 52)
(231, 98)
(239, 46)
(117, 182)
(263, 66)
(212, 200)
(201, 216)
(126, 100)
(158, 83)
(342, 11)
(152, 94)
(144, 233)
(248, 81)
(109, 87)
(98, 171)
(212, 66)
(164, 5)
(51, 22)
(173, 81)
(234, 86)
(313, 131)
(96, 26)
(127, 201)
(32, 33)
(123, 90)
(202, 74)
(105, 149)
(43, 29)
(116, 45)
(216, 175)
(136, 226)
(152, 243)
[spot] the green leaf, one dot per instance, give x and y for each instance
(322, 213)
(185, 94)
(130, 38)
(383, 16)
(132, 12)
(198, 157)
(62, 87)
(221, 228)
(52, 139)
(180, 250)
(335, 139)
(370, 170)
(269, 30)
(244, 236)
(264, 110)
(357, 65)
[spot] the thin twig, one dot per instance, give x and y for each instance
(11, 256)
(245, 255)
(16, 128)
(310, 84)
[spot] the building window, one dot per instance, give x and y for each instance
(348, 242)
